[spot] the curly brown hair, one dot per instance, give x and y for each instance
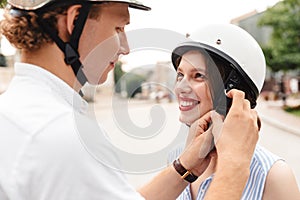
(24, 32)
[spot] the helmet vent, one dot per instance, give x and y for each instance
(218, 41)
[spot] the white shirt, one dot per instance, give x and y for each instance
(42, 156)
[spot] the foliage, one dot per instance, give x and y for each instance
(133, 84)
(132, 81)
(2, 61)
(283, 50)
(2, 3)
(293, 110)
(118, 73)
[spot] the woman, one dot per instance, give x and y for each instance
(223, 57)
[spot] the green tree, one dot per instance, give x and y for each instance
(133, 84)
(118, 73)
(283, 50)
(2, 57)
(2, 3)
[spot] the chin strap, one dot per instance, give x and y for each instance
(70, 49)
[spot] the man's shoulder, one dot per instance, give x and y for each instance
(34, 117)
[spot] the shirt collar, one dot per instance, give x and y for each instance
(58, 86)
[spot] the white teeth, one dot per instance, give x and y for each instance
(188, 103)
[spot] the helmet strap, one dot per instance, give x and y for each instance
(70, 49)
(221, 102)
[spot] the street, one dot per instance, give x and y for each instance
(283, 144)
(111, 112)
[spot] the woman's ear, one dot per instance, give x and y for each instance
(72, 14)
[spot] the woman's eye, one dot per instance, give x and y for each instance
(179, 76)
(199, 76)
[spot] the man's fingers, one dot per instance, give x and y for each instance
(247, 104)
(237, 97)
(256, 119)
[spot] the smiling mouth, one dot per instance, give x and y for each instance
(185, 105)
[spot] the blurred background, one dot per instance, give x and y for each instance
(146, 78)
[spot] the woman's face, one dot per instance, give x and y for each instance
(191, 89)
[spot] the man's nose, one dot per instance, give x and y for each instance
(124, 47)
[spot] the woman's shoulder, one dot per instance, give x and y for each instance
(264, 158)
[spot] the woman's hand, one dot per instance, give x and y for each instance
(199, 144)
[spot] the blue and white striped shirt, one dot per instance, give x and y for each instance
(261, 163)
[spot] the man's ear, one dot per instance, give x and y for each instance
(72, 14)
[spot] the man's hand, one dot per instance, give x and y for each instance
(239, 135)
(235, 147)
(235, 138)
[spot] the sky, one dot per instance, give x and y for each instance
(181, 16)
(184, 16)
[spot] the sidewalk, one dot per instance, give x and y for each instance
(271, 112)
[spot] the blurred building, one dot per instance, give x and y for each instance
(249, 22)
(159, 84)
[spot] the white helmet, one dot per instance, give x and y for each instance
(234, 45)
(34, 5)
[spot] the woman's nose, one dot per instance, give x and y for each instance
(183, 86)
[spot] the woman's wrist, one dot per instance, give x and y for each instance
(185, 174)
(192, 164)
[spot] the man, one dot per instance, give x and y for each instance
(65, 44)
